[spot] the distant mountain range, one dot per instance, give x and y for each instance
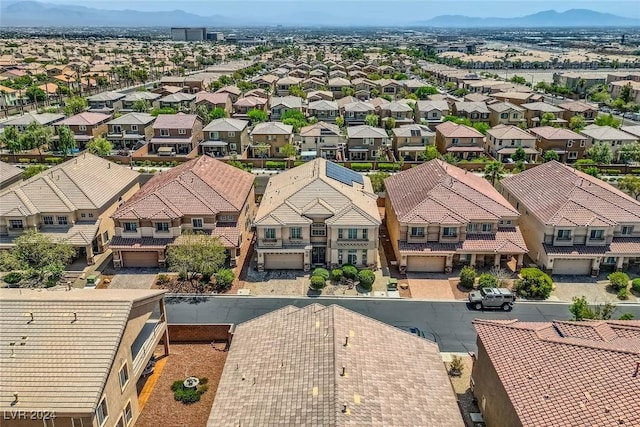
(310, 13)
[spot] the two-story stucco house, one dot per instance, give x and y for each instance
(505, 113)
(440, 217)
(409, 141)
(460, 140)
(317, 214)
(105, 102)
(284, 84)
(569, 145)
(572, 222)
(71, 202)
(431, 112)
(614, 138)
(175, 134)
(579, 108)
(354, 113)
(85, 126)
(502, 142)
(179, 101)
(323, 138)
(269, 138)
(203, 195)
(365, 142)
(400, 112)
(126, 103)
(280, 105)
(130, 131)
(324, 111)
(225, 137)
(534, 111)
(474, 111)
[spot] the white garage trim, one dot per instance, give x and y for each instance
(293, 261)
(429, 264)
(572, 266)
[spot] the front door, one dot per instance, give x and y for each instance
(318, 255)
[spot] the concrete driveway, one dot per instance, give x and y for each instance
(134, 278)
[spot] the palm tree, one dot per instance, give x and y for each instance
(494, 171)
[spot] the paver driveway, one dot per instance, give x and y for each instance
(133, 278)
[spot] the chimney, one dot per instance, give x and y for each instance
(346, 340)
(344, 371)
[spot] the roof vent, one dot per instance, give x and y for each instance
(346, 340)
(344, 408)
(344, 371)
(75, 318)
(635, 374)
(30, 320)
(15, 397)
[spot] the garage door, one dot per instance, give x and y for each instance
(284, 261)
(140, 259)
(572, 266)
(432, 264)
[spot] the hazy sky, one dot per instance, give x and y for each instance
(425, 8)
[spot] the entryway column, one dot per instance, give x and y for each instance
(496, 260)
(519, 261)
(619, 263)
(472, 262)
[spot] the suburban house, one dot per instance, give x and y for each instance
(337, 85)
(632, 130)
(409, 141)
(233, 92)
(460, 140)
(280, 105)
(579, 108)
(365, 142)
(225, 137)
(616, 88)
(354, 113)
(175, 134)
(178, 101)
(431, 112)
(71, 202)
(325, 111)
(440, 217)
(105, 102)
(245, 104)
(22, 121)
(390, 87)
(474, 111)
(505, 113)
(214, 100)
(269, 138)
(615, 138)
(399, 111)
(324, 139)
(317, 214)
(274, 352)
(126, 103)
(502, 142)
(284, 84)
(130, 131)
(520, 384)
(534, 111)
(518, 98)
(85, 126)
(569, 145)
(363, 87)
(319, 95)
(574, 223)
(266, 82)
(99, 345)
(203, 195)
(9, 175)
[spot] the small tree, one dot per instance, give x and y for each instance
(371, 120)
(550, 155)
(577, 123)
(99, 146)
(487, 280)
(217, 113)
(494, 172)
(11, 139)
(467, 277)
(580, 310)
(481, 127)
(534, 283)
(194, 254)
(366, 279)
(288, 150)
(424, 92)
(519, 155)
(141, 106)
(430, 152)
(547, 119)
(75, 105)
(630, 152)
(66, 140)
(618, 280)
(631, 185)
(607, 120)
(35, 94)
(340, 121)
(377, 181)
(32, 171)
(600, 153)
(224, 278)
(257, 116)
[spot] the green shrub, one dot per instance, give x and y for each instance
(534, 283)
(389, 167)
(487, 280)
(623, 294)
(322, 272)
(362, 166)
(153, 170)
(612, 171)
(366, 279)
(224, 278)
(318, 282)
(24, 160)
(13, 277)
(53, 160)
(270, 164)
(177, 385)
(635, 285)
(188, 395)
(142, 170)
(350, 272)
(336, 274)
(619, 280)
(627, 316)
(162, 279)
(467, 277)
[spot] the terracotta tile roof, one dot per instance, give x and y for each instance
(606, 133)
(284, 369)
(229, 234)
(472, 107)
(435, 191)
(250, 101)
(213, 98)
(504, 106)
(272, 128)
(509, 132)
(366, 131)
(554, 134)
(541, 106)
(145, 243)
(226, 125)
(504, 241)
(85, 118)
(175, 121)
(316, 129)
(560, 195)
(453, 130)
(577, 106)
(566, 373)
(203, 186)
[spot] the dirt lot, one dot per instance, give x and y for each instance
(185, 360)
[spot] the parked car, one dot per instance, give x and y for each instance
(492, 298)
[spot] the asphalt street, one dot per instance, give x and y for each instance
(449, 321)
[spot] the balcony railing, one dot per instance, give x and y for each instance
(152, 329)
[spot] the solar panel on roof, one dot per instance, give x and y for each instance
(343, 175)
